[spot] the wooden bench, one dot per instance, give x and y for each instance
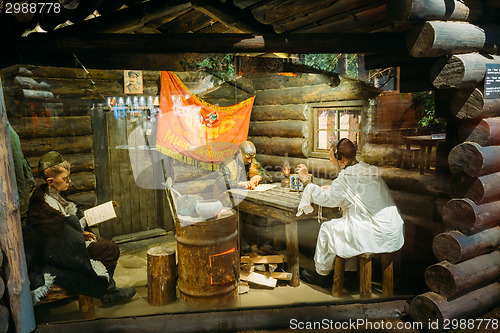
(365, 275)
(57, 293)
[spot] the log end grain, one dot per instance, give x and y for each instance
(459, 214)
(427, 308)
(447, 73)
(467, 158)
(467, 104)
(447, 247)
(420, 40)
(440, 279)
(160, 251)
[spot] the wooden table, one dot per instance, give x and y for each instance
(426, 142)
(281, 204)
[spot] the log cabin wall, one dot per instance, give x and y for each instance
(54, 109)
(458, 39)
(48, 114)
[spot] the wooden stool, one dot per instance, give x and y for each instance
(365, 275)
(411, 157)
(56, 293)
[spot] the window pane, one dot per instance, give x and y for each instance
(349, 120)
(322, 140)
(327, 125)
(326, 119)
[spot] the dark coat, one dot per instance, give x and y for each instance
(55, 244)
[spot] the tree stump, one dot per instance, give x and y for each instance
(161, 275)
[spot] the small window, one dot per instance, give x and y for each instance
(332, 124)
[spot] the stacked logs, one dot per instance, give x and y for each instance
(47, 115)
(456, 36)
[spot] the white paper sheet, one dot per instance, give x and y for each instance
(101, 213)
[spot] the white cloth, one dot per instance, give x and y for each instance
(370, 224)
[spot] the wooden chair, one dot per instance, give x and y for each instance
(365, 275)
(57, 293)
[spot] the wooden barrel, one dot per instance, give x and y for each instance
(161, 275)
(208, 261)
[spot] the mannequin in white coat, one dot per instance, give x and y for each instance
(370, 223)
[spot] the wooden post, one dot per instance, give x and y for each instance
(387, 275)
(338, 276)
(365, 276)
(455, 247)
(161, 275)
(86, 305)
(11, 241)
(292, 248)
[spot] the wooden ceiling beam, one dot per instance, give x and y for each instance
(130, 19)
(207, 43)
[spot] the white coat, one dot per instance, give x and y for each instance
(370, 223)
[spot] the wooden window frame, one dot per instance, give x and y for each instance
(354, 105)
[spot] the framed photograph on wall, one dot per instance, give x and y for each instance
(296, 184)
(132, 82)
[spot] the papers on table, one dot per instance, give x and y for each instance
(263, 187)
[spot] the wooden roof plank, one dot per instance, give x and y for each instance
(372, 12)
(129, 19)
(271, 11)
(302, 19)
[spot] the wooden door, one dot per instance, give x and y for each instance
(139, 209)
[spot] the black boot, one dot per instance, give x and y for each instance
(115, 295)
(316, 279)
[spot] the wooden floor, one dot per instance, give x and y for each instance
(260, 304)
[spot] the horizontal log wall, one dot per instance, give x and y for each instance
(46, 119)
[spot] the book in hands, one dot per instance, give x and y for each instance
(100, 213)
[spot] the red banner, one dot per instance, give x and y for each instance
(196, 132)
